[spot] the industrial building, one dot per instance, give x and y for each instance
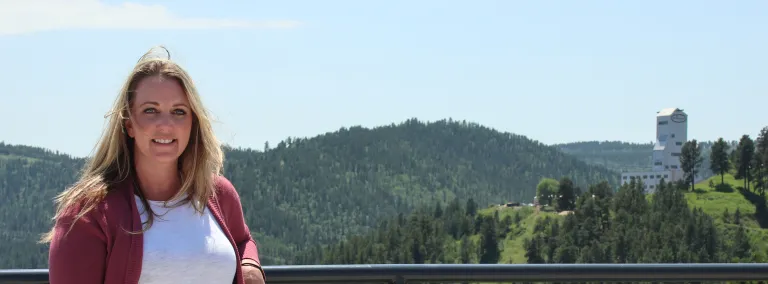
(671, 134)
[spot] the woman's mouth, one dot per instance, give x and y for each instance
(163, 141)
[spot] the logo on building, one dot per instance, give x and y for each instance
(678, 117)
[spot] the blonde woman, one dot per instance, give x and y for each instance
(151, 205)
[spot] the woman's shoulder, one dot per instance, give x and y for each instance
(225, 191)
(111, 201)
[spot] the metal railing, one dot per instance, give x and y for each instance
(409, 273)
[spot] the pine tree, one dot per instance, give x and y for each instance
(690, 161)
(471, 207)
(744, 153)
(741, 248)
(718, 159)
(533, 250)
(566, 199)
(489, 245)
(464, 250)
(760, 161)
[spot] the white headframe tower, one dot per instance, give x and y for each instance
(671, 134)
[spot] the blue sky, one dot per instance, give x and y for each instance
(555, 71)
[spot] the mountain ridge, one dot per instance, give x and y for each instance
(318, 190)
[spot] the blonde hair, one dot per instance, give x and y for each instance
(112, 163)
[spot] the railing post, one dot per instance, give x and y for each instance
(399, 279)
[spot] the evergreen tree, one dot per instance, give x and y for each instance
(533, 250)
(489, 245)
(744, 153)
(465, 250)
(719, 162)
(741, 248)
(438, 211)
(690, 161)
(471, 207)
(760, 161)
(566, 199)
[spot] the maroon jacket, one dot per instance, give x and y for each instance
(98, 250)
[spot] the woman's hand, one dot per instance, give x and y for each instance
(252, 275)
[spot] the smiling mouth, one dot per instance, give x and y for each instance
(163, 141)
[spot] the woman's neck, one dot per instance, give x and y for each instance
(159, 182)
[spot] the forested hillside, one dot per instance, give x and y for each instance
(29, 179)
(309, 191)
(722, 219)
(604, 227)
(628, 228)
(625, 156)
(615, 155)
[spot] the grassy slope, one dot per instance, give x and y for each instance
(713, 202)
(730, 198)
(512, 246)
(513, 251)
(716, 202)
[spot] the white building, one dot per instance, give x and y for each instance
(671, 134)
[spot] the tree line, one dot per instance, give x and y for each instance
(307, 191)
(625, 227)
(748, 160)
(604, 227)
(436, 234)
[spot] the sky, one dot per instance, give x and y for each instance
(554, 71)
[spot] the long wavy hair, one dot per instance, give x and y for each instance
(112, 163)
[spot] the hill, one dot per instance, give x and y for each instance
(731, 206)
(624, 156)
(29, 178)
(615, 155)
(671, 226)
(319, 190)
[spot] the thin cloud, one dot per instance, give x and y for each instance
(31, 16)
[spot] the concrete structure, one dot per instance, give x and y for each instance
(671, 134)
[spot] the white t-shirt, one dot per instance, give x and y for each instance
(182, 246)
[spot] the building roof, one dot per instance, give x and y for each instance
(668, 111)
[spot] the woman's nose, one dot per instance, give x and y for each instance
(165, 122)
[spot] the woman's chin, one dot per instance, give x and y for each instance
(164, 156)
(161, 153)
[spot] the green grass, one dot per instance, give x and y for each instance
(715, 202)
(729, 197)
(513, 250)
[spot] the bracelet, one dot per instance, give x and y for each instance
(263, 274)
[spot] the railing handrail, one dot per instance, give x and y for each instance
(402, 273)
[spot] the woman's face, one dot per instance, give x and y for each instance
(161, 119)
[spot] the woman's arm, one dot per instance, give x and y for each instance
(230, 202)
(77, 256)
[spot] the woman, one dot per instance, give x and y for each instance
(151, 206)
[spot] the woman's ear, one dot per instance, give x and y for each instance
(129, 128)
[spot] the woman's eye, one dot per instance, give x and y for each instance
(174, 112)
